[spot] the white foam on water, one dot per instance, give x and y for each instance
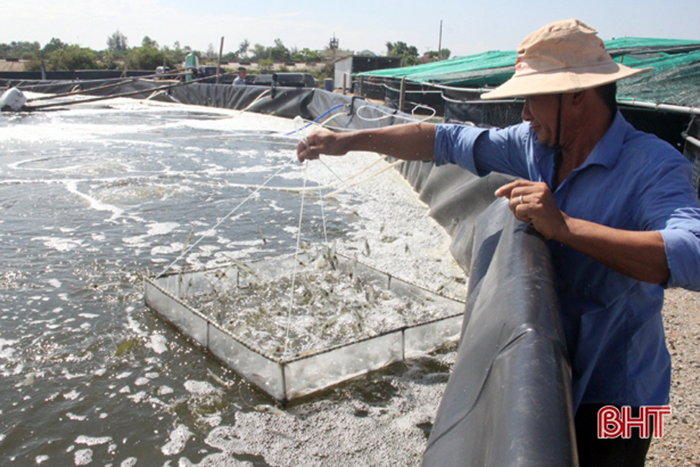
(137, 242)
(88, 315)
(164, 390)
(161, 228)
(92, 441)
(138, 397)
(141, 381)
(336, 432)
(167, 250)
(83, 456)
(59, 244)
(206, 233)
(158, 343)
(134, 325)
(6, 351)
(55, 283)
(71, 395)
(178, 439)
(79, 418)
(72, 186)
(200, 388)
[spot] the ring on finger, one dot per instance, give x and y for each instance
(521, 200)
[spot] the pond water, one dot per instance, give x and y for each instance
(92, 198)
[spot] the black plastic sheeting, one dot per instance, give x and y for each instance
(508, 399)
(288, 102)
(15, 77)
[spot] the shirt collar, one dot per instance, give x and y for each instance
(605, 153)
(608, 149)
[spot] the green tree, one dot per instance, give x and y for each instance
(148, 42)
(306, 55)
(147, 58)
(177, 53)
(260, 52)
(117, 42)
(433, 54)
(108, 60)
(243, 48)
(230, 57)
(279, 51)
(19, 50)
(72, 57)
(409, 53)
(53, 45)
(265, 65)
(211, 55)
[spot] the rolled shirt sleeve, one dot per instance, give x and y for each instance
(669, 204)
(482, 151)
(682, 243)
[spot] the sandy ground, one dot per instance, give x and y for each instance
(680, 445)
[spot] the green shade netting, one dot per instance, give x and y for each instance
(675, 78)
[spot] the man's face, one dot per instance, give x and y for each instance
(541, 112)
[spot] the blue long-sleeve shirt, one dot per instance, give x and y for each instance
(631, 181)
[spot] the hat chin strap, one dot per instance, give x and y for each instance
(557, 147)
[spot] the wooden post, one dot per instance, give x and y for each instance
(218, 66)
(402, 94)
(362, 86)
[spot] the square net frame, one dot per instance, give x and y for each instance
(290, 377)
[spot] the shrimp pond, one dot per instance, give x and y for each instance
(94, 198)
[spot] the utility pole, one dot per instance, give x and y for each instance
(218, 65)
(440, 43)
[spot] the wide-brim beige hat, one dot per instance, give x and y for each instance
(564, 56)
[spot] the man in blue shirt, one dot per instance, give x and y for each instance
(616, 205)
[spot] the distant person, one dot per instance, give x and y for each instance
(240, 79)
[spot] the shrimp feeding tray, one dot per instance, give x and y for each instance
(346, 319)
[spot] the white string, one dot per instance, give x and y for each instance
(347, 187)
(316, 188)
(223, 219)
(302, 137)
(298, 124)
(296, 265)
(323, 216)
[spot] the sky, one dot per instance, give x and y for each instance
(467, 27)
